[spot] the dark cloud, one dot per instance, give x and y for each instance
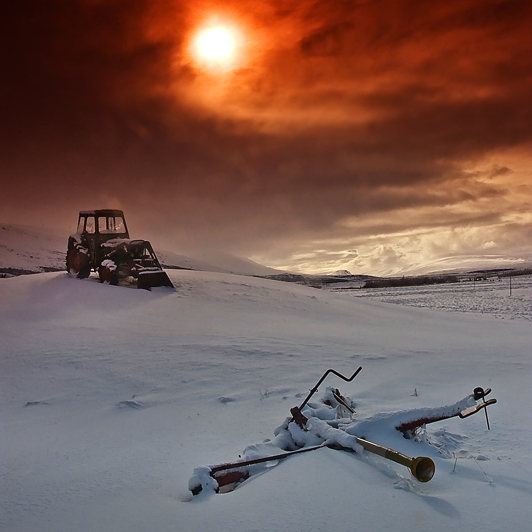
(344, 109)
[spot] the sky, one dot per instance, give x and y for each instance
(369, 135)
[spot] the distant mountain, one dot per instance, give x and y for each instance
(171, 260)
(229, 263)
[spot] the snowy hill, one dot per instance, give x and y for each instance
(111, 396)
(29, 249)
(224, 262)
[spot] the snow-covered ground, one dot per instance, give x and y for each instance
(505, 297)
(110, 397)
(31, 249)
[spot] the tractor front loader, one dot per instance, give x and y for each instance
(102, 244)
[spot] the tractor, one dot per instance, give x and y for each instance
(101, 243)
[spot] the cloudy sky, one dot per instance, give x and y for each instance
(310, 135)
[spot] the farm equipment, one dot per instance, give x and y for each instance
(330, 423)
(102, 244)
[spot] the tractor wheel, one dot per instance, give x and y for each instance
(108, 274)
(77, 262)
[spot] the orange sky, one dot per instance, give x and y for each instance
(364, 135)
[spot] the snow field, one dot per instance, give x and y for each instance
(504, 297)
(110, 397)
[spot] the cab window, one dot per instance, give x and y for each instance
(111, 224)
(103, 224)
(119, 225)
(90, 224)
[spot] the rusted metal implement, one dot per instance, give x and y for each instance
(457, 410)
(336, 434)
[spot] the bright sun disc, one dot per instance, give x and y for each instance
(215, 44)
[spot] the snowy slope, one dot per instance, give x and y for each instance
(231, 264)
(110, 397)
(30, 249)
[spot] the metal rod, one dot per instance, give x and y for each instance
(339, 398)
(244, 463)
(485, 408)
(315, 389)
(487, 420)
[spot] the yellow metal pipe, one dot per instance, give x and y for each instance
(422, 467)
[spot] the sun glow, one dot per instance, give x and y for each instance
(215, 46)
(215, 43)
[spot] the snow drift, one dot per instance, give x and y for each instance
(111, 397)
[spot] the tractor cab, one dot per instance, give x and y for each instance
(99, 226)
(107, 223)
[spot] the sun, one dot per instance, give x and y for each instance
(215, 46)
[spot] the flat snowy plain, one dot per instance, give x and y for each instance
(504, 297)
(110, 397)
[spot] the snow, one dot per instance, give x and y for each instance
(111, 397)
(31, 249)
(228, 263)
(502, 297)
(108, 263)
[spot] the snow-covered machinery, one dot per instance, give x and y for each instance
(101, 243)
(331, 423)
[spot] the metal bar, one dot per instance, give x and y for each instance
(244, 463)
(343, 377)
(485, 408)
(340, 399)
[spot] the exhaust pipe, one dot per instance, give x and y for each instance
(422, 467)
